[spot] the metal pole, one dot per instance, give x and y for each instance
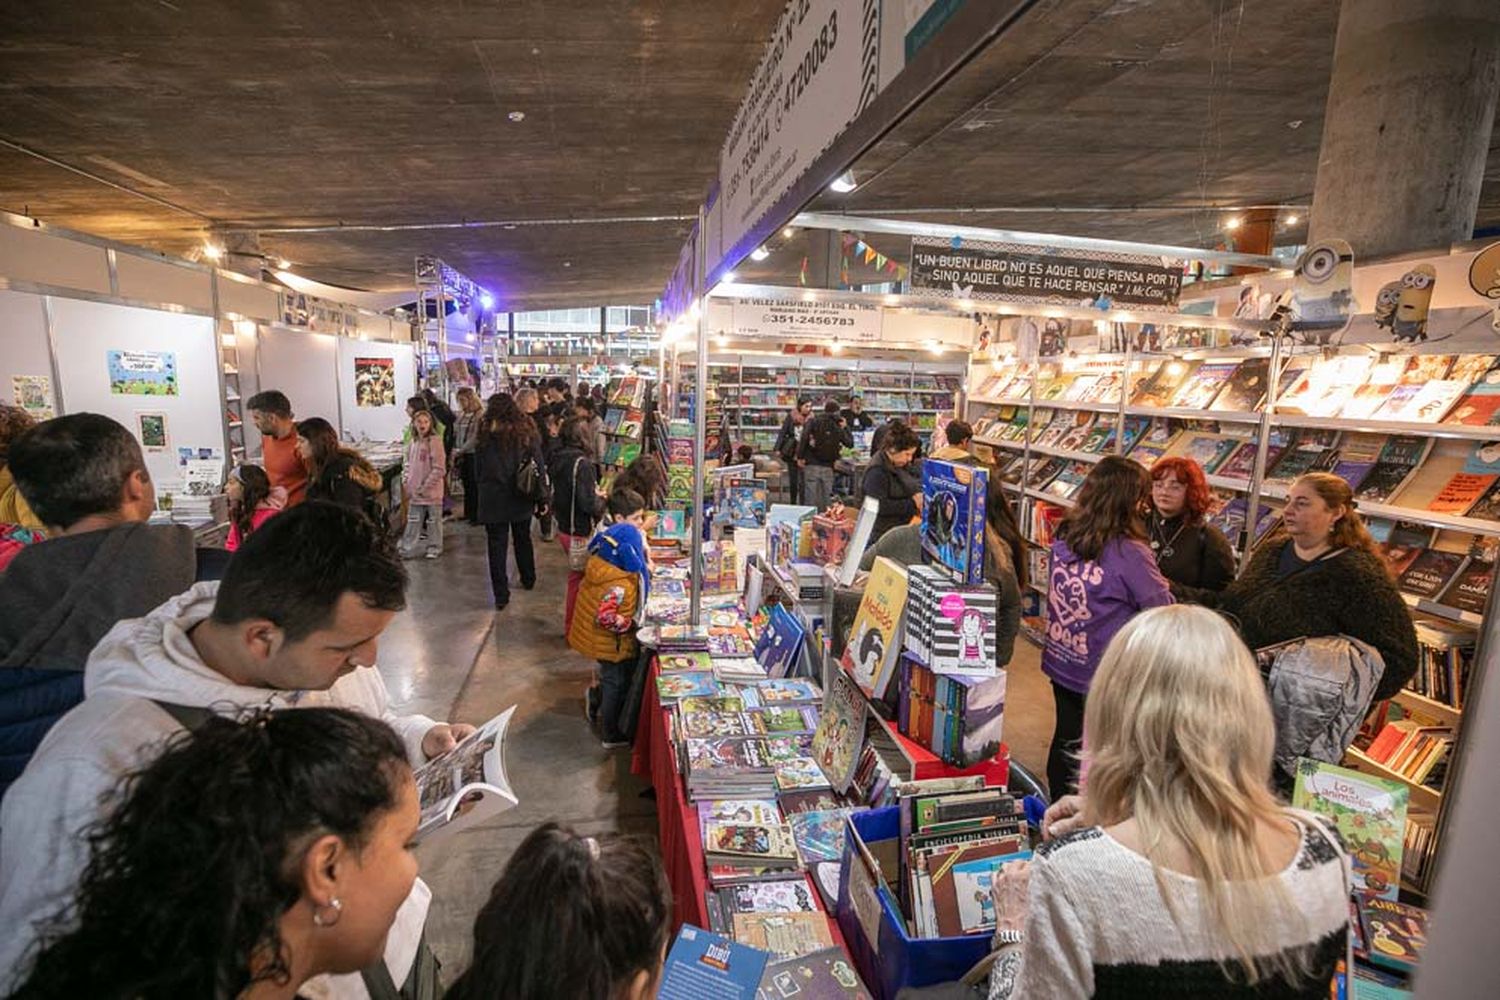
(700, 411)
(1120, 416)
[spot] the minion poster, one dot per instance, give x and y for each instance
(953, 512)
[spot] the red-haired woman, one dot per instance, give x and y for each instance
(1189, 552)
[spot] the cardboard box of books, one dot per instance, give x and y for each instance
(870, 918)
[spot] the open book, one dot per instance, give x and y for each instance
(466, 785)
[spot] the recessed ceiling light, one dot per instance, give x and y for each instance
(1293, 219)
(212, 251)
(1232, 223)
(843, 183)
(567, 263)
(759, 253)
(517, 116)
(787, 232)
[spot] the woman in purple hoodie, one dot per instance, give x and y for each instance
(1101, 574)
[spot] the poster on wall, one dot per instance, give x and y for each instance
(142, 373)
(375, 381)
(1016, 272)
(33, 393)
(151, 428)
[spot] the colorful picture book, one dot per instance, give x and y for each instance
(950, 627)
(705, 966)
(1393, 933)
(840, 734)
(953, 516)
(780, 643)
(873, 645)
(1370, 814)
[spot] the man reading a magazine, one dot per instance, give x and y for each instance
(294, 623)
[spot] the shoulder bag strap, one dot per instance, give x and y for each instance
(574, 505)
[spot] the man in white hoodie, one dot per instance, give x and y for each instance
(294, 623)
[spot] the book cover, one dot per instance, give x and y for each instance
(1106, 389)
(873, 645)
(1083, 425)
(781, 720)
(1241, 462)
(1480, 471)
(1245, 389)
(1400, 542)
(675, 686)
(1383, 379)
(790, 895)
(961, 883)
(780, 642)
(1134, 428)
(1326, 386)
(1430, 573)
(1471, 368)
(1062, 421)
(823, 975)
(698, 661)
(787, 691)
(1204, 387)
(467, 784)
(1480, 402)
(1230, 519)
(1424, 368)
(800, 773)
(840, 733)
(1394, 933)
(1207, 449)
(953, 516)
(1357, 456)
(784, 935)
(712, 725)
(756, 843)
(1313, 451)
(1434, 401)
(1397, 405)
(1399, 458)
(819, 834)
(702, 965)
(1370, 814)
(1162, 385)
(1470, 589)
(830, 538)
(1100, 436)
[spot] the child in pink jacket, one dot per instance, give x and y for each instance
(252, 501)
(422, 477)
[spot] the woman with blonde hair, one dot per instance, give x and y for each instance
(1185, 875)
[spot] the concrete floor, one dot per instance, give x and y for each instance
(451, 656)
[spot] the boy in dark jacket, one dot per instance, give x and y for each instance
(823, 440)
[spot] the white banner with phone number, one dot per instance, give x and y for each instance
(780, 319)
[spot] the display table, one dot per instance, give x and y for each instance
(676, 817)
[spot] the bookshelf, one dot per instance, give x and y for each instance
(1262, 435)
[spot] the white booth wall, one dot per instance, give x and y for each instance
(84, 333)
(378, 423)
(23, 342)
(303, 365)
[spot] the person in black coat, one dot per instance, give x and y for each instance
(337, 474)
(786, 446)
(1188, 550)
(507, 440)
(575, 495)
(855, 416)
(893, 481)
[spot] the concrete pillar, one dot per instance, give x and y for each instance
(1411, 104)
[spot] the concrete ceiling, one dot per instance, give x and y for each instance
(1125, 118)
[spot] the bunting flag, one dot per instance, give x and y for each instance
(870, 254)
(802, 274)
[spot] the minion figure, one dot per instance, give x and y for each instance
(1321, 287)
(1410, 323)
(1385, 304)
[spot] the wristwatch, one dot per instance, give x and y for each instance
(1007, 936)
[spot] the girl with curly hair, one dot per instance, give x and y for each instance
(250, 857)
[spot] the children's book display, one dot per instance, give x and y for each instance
(953, 516)
(960, 719)
(873, 646)
(949, 626)
(1370, 814)
(466, 785)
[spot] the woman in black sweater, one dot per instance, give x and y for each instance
(1319, 576)
(334, 473)
(892, 481)
(507, 440)
(1188, 550)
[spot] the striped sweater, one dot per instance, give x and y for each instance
(1096, 925)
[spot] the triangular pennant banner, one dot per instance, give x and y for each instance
(869, 254)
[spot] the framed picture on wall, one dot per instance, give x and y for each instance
(375, 381)
(142, 373)
(151, 428)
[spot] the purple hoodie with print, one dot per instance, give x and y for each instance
(1089, 601)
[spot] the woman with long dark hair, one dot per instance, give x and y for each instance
(571, 916)
(1101, 573)
(893, 480)
(507, 442)
(336, 473)
(1189, 551)
(250, 857)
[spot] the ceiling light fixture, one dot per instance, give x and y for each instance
(788, 232)
(1293, 219)
(759, 253)
(1232, 223)
(517, 116)
(567, 263)
(487, 301)
(728, 278)
(212, 251)
(843, 183)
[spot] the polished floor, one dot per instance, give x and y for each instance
(451, 656)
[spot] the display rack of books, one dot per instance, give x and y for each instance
(624, 426)
(234, 404)
(757, 391)
(1415, 432)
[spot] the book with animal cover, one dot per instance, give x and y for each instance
(1470, 589)
(823, 975)
(1162, 385)
(1394, 932)
(780, 642)
(840, 733)
(1370, 814)
(874, 639)
(1245, 389)
(1479, 406)
(702, 965)
(954, 496)
(467, 784)
(1399, 459)
(1204, 387)
(1357, 455)
(1480, 471)
(784, 935)
(1431, 572)
(1083, 424)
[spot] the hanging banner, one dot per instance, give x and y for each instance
(1013, 272)
(819, 71)
(782, 319)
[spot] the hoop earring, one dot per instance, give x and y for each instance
(334, 904)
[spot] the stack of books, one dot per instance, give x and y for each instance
(951, 846)
(950, 627)
(959, 719)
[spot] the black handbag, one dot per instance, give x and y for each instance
(530, 483)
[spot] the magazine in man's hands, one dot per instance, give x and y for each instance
(468, 784)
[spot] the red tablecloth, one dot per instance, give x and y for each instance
(676, 817)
